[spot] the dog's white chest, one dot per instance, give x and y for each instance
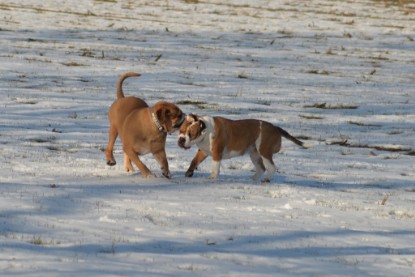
(206, 144)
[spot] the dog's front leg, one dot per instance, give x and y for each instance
(198, 159)
(161, 158)
(216, 159)
(215, 169)
(142, 167)
(127, 164)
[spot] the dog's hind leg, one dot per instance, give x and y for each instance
(269, 167)
(259, 165)
(112, 136)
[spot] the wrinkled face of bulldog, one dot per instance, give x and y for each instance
(191, 131)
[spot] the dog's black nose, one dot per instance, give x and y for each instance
(181, 141)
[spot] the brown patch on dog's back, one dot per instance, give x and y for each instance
(239, 129)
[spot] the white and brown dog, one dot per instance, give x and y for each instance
(142, 129)
(224, 138)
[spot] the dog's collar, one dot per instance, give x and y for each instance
(178, 124)
(157, 122)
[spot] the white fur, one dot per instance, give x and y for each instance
(256, 158)
(187, 142)
(270, 168)
(258, 140)
(215, 169)
(204, 142)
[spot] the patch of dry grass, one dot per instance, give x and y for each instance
(324, 106)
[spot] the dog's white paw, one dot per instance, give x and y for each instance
(128, 169)
(150, 176)
(256, 177)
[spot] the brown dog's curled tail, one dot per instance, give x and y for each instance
(286, 135)
(120, 93)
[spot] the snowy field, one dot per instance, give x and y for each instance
(337, 74)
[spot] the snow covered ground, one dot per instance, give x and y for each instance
(337, 74)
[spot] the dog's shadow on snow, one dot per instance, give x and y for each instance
(201, 178)
(239, 249)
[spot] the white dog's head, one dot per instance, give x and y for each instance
(192, 131)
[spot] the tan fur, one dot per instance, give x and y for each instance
(131, 119)
(224, 138)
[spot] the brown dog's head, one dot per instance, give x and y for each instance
(191, 131)
(169, 116)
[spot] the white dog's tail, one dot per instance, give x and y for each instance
(120, 93)
(286, 135)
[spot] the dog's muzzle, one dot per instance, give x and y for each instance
(182, 143)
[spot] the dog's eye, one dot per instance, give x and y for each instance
(190, 135)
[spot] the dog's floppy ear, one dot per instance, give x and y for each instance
(193, 117)
(163, 114)
(190, 118)
(203, 128)
(202, 125)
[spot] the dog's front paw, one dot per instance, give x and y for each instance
(189, 173)
(149, 176)
(111, 162)
(212, 176)
(129, 168)
(167, 174)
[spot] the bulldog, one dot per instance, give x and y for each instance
(224, 139)
(142, 129)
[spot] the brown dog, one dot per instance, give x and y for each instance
(224, 138)
(142, 129)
